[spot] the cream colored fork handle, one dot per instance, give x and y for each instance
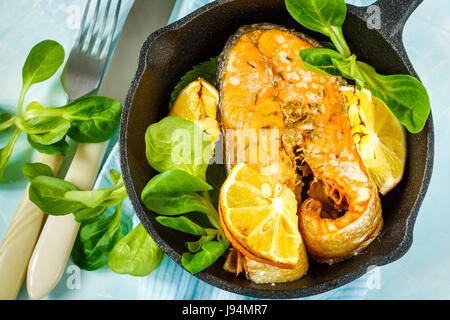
(20, 238)
(55, 243)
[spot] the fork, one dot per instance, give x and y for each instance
(82, 76)
(87, 59)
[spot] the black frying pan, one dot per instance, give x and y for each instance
(171, 51)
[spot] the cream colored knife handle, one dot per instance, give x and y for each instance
(20, 238)
(55, 243)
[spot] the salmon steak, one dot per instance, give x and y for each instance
(300, 134)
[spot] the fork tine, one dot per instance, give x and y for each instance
(82, 24)
(86, 63)
(105, 51)
(102, 29)
(87, 39)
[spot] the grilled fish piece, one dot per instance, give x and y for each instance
(263, 85)
(250, 110)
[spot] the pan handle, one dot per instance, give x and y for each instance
(393, 15)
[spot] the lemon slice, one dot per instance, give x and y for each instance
(259, 217)
(197, 102)
(379, 136)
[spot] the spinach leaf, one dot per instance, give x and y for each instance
(107, 197)
(6, 121)
(6, 152)
(173, 181)
(195, 246)
(136, 254)
(181, 187)
(34, 105)
(89, 214)
(181, 152)
(45, 130)
(182, 224)
(325, 16)
(176, 143)
(404, 95)
(119, 194)
(209, 253)
(48, 194)
(176, 203)
(60, 147)
(174, 192)
(88, 119)
(96, 240)
(205, 70)
(320, 60)
(42, 62)
(55, 196)
(33, 170)
(93, 118)
(350, 70)
(90, 198)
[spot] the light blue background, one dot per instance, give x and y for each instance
(423, 273)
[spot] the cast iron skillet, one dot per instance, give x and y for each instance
(171, 51)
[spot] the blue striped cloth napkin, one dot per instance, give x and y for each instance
(171, 281)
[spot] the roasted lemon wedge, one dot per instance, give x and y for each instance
(379, 136)
(259, 217)
(197, 102)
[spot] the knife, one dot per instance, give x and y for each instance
(20, 238)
